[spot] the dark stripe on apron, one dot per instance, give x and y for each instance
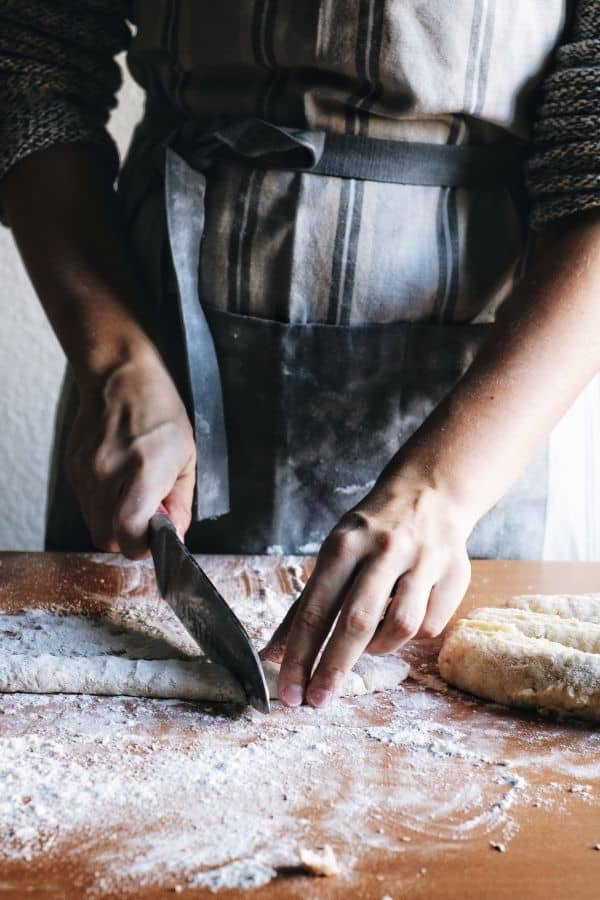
(247, 236)
(481, 86)
(351, 255)
(338, 250)
(360, 58)
(447, 213)
(371, 17)
(263, 46)
(345, 252)
(444, 234)
(235, 235)
(245, 218)
(374, 68)
(368, 49)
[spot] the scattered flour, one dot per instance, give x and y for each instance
(177, 796)
(243, 873)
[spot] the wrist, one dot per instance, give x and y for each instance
(429, 471)
(130, 349)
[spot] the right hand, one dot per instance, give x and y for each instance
(131, 448)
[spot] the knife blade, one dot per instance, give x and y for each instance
(203, 611)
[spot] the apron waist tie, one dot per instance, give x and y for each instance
(191, 149)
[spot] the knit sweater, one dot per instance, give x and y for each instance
(58, 81)
(564, 163)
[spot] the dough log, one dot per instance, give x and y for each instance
(539, 652)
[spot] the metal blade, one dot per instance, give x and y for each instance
(207, 617)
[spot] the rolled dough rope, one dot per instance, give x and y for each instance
(585, 607)
(540, 654)
(41, 652)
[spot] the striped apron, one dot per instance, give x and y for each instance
(339, 308)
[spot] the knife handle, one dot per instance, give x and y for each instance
(159, 525)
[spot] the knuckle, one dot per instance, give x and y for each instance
(99, 466)
(311, 619)
(137, 458)
(404, 625)
(293, 668)
(386, 541)
(358, 622)
(329, 678)
(126, 525)
(339, 544)
(406, 585)
(355, 520)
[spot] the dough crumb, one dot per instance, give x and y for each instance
(319, 860)
(501, 848)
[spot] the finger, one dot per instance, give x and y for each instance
(406, 611)
(357, 622)
(274, 648)
(148, 483)
(445, 599)
(178, 502)
(316, 612)
(101, 501)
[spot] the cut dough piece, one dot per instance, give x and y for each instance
(370, 675)
(319, 861)
(536, 655)
(150, 656)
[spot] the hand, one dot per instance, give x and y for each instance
(395, 567)
(131, 447)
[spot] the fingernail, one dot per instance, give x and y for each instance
(292, 695)
(319, 698)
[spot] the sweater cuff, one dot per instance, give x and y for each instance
(563, 170)
(25, 130)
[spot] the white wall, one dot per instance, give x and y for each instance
(31, 366)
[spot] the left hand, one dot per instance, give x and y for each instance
(394, 567)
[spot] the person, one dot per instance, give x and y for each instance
(347, 289)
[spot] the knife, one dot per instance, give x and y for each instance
(203, 612)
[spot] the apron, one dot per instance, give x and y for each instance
(295, 416)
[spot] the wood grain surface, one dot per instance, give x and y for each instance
(550, 852)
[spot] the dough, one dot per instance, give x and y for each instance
(140, 652)
(539, 651)
(319, 861)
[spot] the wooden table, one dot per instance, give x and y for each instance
(550, 850)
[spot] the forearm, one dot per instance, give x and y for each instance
(543, 350)
(63, 213)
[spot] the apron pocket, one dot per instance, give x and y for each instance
(314, 412)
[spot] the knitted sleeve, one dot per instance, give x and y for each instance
(563, 171)
(58, 77)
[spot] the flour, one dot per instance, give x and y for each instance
(244, 873)
(175, 795)
(351, 489)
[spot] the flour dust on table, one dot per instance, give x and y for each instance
(142, 650)
(539, 651)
